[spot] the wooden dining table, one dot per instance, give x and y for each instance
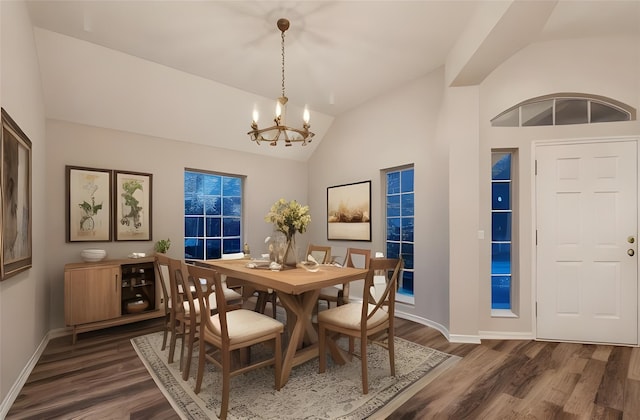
(298, 291)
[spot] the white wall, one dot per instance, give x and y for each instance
(267, 180)
(399, 128)
(24, 298)
(605, 66)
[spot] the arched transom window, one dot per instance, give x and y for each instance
(564, 109)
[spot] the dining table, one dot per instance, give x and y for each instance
(297, 290)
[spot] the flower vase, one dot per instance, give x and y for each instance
(290, 258)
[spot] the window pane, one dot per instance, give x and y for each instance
(192, 183)
(212, 206)
(231, 226)
(500, 195)
(407, 204)
(214, 249)
(193, 204)
(393, 229)
(407, 229)
(193, 226)
(212, 185)
(537, 113)
(393, 250)
(393, 206)
(231, 206)
(232, 186)
(571, 111)
(231, 246)
(407, 255)
(509, 119)
(407, 181)
(500, 258)
(406, 285)
(194, 248)
(500, 292)
(501, 166)
(604, 113)
(213, 227)
(501, 226)
(393, 182)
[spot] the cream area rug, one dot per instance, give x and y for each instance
(335, 394)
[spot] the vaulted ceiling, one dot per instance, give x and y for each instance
(339, 54)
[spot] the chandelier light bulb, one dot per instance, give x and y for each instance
(305, 116)
(255, 116)
(278, 109)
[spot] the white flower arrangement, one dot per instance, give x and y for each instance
(289, 217)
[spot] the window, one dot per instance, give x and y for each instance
(212, 214)
(564, 109)
(501, 230)
(400, 215)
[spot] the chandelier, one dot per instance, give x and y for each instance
(280, 131)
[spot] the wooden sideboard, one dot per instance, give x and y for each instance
(97, 294)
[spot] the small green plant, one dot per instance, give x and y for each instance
(163, 245)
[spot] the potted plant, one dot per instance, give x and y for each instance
(163, 245)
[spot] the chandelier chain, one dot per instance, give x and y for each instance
(282, 35)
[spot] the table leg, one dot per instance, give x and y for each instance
(300, 307)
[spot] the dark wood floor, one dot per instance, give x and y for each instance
(101, 377)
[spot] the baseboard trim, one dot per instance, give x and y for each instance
(424, 321)
(506, 335)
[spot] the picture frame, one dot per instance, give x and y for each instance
(89, 195)
(15, 195)
(132, 206)
(349, 212)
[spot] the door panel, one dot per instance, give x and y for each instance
(586, 209)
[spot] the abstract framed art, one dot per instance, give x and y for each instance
(132, 206)
(349, 212)
(15, 186)
(89, 192)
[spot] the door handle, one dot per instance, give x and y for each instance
(631, 252)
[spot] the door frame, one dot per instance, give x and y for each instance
(534, 217)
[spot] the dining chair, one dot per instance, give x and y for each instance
(229, 331)
(187, 315)
(192, 309)
(356, 258)
(177, 325)
(369, 320)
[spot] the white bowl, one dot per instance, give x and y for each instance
(93, 255)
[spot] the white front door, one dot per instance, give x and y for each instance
(587, 266)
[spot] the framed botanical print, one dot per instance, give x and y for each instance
(349, 212)
(89, 192)
(15, 185)
(132, 206)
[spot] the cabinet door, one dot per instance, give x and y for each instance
(92, 294)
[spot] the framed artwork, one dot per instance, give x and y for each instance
(349, 212)
(132, 206)
(89, 193)
(15, 186)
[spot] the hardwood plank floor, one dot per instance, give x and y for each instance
(101, 377)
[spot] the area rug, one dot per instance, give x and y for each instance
(335, 394)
